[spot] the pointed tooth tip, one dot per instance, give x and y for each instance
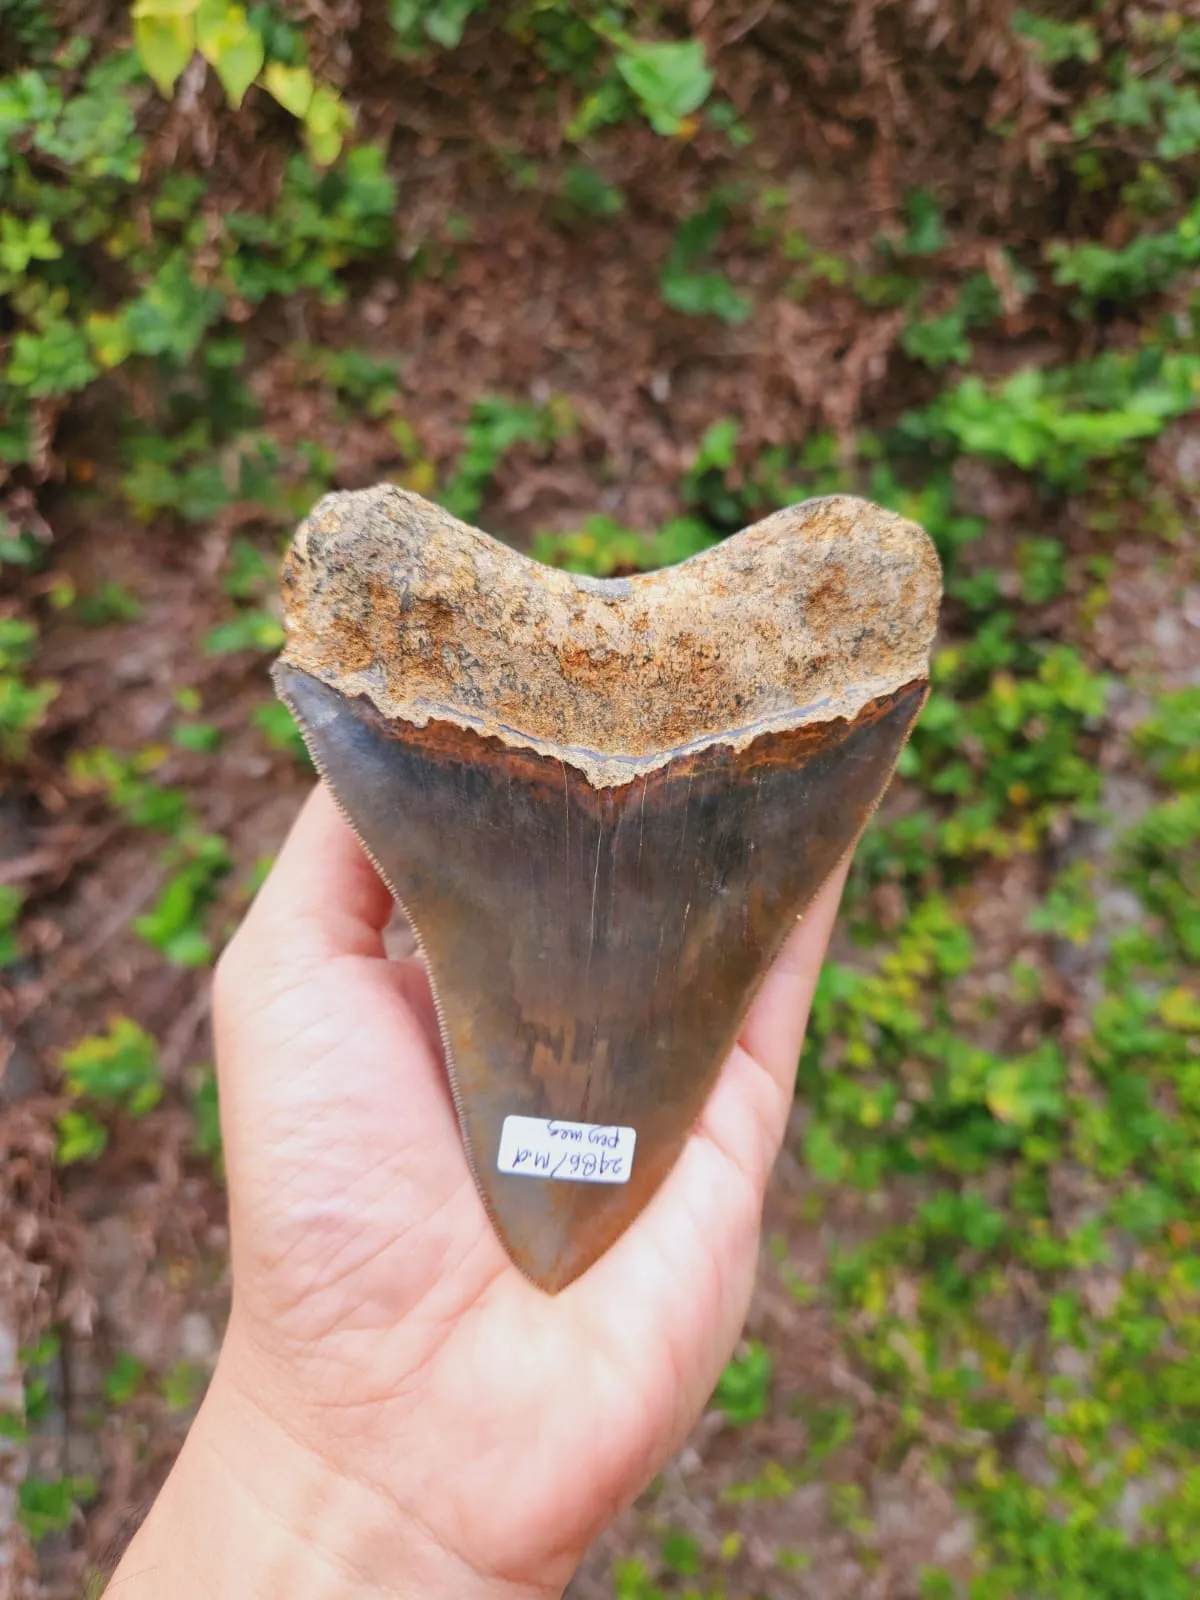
(558, 1268)
(554, 1279)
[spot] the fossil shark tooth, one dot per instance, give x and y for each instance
(603, 804)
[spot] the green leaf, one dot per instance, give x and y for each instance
(109, 602)
(586, 190)
(1170, 739)
(22, 706)
(165, 10)
(292, 87)
(1042, 566)
(1146, 265)
(182, 1386)
(230, 45)
(49, 1506)
(207, 1116)
(201, 737)
(165, 45)
(699, 294)
(670, 79)
(937, 341)
(11, 900)
(826, 1158)
(22, 242)
(172, 313)
(18, 641)
(274, 721)
(250, 630)
(54, 362)
(108, 339)
(326, 124)
(926, 233)
(1054, 42)
(124, 1378)
(1181, 126)
(440, 21)
(705, 294)
(718, 447)
(1022, 1092)
(188, 948)
(745, 1384)
(118, 1067)
(608, 103)
(174, 924)
(681, 1553)
(81, 1137)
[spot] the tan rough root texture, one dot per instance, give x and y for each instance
(805, 617)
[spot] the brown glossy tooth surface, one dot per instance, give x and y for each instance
(602, 806)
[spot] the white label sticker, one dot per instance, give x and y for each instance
(579, 1152)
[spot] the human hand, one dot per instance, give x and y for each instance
(396, 1410)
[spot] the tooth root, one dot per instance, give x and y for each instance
(594, 949)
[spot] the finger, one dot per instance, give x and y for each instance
(773, 1031)
(410, 980)
(323, 898)
(746, 1115)
(701, 1226)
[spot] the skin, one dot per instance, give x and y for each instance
(396, 1411)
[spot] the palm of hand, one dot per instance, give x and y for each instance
(385, 1326)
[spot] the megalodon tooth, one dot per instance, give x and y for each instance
(602, 804)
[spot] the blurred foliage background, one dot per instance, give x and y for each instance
(614, 280)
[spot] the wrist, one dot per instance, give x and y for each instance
(250, 1514)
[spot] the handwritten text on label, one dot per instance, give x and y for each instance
(582, 1152)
